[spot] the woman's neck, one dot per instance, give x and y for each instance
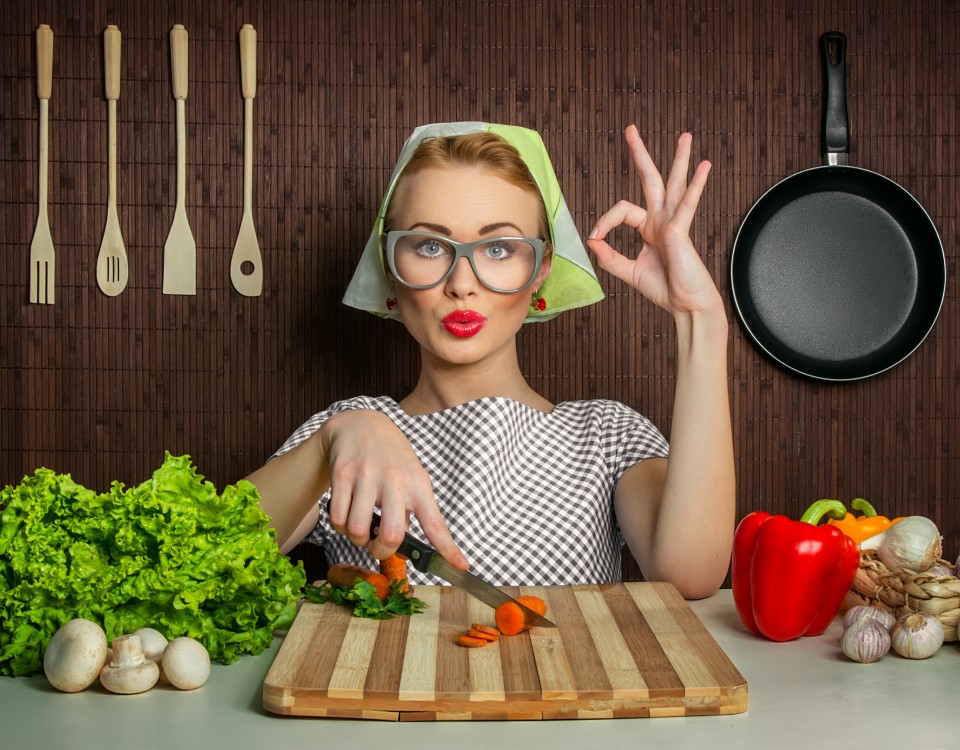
(443, 385)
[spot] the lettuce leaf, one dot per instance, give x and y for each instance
(170, 554)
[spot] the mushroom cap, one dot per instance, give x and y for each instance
(75, 655)
(186, 663)
(153, 643)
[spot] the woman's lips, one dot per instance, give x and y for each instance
(464, 323)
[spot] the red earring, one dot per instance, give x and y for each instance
(538, 303)
(391, 302)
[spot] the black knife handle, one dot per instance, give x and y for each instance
(416, 551)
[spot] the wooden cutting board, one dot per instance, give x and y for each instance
(619, 650)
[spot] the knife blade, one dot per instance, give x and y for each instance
(427, 560)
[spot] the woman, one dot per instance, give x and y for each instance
(472, 240)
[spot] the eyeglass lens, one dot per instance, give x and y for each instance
(501, 263)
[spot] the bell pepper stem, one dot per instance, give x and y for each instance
(815, 513)
(868, 511)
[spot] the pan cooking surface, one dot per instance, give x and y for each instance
(832, 274)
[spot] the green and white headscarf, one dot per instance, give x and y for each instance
(572, 281)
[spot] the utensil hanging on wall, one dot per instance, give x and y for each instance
(246, 265)
(180, 249)
(42, 255)
(112, 270)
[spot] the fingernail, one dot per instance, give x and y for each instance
(593, 234)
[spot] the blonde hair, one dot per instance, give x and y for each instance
(485, 150)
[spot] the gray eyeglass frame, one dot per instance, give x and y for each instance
(463, 250)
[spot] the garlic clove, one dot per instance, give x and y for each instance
(913, 543)
(885, 618)
(917, 636)
(866, 640)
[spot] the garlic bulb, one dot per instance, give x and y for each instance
(941, 569)
(866, 640)
(917, 636)
(882, 616)
(911, 544)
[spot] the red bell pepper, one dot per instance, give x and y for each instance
(789, 578)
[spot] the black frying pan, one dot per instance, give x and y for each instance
(837, 272)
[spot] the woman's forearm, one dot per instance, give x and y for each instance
(290, 487)
(695, 519)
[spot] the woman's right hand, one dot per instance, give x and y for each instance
(372, 465)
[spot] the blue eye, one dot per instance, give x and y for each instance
(431, 248)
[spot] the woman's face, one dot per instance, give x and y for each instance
(461, 321)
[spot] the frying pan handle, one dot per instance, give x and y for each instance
(835, 134)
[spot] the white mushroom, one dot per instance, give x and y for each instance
(75, 655)
(153, 643)
(186, 663)
(129, 671)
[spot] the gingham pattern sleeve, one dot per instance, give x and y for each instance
(528, 496)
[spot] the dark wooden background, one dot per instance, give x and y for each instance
(99, 387)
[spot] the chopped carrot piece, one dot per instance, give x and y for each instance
(535, 603)
(394, 568)
(481, 634)
(485, 629)
(344, 574)
(511, 619)
(470, 642)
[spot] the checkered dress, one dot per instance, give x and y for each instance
(527, 496)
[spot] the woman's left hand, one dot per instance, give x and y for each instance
(667, 270)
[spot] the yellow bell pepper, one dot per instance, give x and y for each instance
(860, 528)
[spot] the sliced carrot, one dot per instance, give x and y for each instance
(473, 633)
(535, 603)
(468, 641)
(486, 629)
(394, 568)
(343, 574)
(511, 619)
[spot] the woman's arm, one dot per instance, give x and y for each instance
(677, 515)
(367, 463)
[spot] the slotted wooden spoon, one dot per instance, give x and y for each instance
(246, 265)
(180, 249)
(112, 269)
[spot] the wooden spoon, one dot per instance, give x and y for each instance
(246, 265)
(112, 268)
(180, 250)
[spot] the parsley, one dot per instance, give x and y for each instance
(362, 596)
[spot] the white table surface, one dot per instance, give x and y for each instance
(803, 694)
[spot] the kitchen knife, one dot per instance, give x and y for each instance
(427, 560)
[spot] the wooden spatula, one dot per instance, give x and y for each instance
(42, 256)
(180, 250)
(112, 261)
(246, 265)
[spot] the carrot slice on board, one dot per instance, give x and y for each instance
(480, 634)
(485, 629)
(470, 642)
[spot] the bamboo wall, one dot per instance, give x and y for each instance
(99, 387)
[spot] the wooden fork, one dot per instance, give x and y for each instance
(42, 256)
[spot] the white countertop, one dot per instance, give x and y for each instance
(803, 694)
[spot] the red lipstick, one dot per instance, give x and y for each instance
(464, 323)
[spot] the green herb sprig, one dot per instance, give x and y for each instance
(362, 596)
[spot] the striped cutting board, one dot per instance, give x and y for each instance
(620, 650)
